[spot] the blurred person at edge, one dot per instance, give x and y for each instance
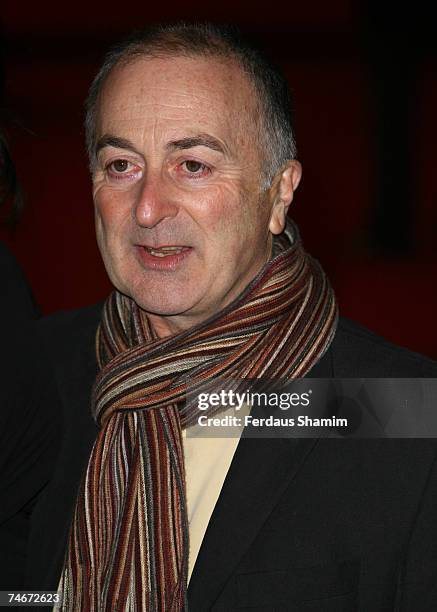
(17, 311)
(194, 168)
(16, 303)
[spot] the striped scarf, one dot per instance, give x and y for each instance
(128, 545)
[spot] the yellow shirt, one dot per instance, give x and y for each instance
(207, 461)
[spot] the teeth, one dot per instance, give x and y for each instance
(164, 251)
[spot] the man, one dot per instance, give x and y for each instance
(193, 166)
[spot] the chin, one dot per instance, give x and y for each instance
(162, 306)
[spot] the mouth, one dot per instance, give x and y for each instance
(163, 258)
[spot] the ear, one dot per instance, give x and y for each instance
(281, 194)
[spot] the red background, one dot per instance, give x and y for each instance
(331, 55)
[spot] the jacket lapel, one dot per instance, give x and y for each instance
(260, 472)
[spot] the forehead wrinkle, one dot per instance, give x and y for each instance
(165, 98)
(142, 108)
(199, 90)
(189, 103)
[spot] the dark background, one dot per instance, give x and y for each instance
(364, 78)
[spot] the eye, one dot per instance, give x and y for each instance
(195, 168)
(120, 166)
(122, 169)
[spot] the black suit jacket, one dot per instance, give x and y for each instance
(300, 525)
(17, 304)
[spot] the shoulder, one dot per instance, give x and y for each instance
(69, 330)
(73, 323)
(17, 302)
(356, 351)
(68, 339)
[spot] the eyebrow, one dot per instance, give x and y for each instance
(114, 141)
(201, 140)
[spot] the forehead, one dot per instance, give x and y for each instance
(176, 93)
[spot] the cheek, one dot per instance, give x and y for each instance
(218, 209)
(111, 229)
(112, 213)
(232, 225)
(237, 217)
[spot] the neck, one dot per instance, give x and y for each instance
(163, 326)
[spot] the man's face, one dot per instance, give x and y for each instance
(180, 220)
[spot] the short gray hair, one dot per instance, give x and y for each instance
(208, 40)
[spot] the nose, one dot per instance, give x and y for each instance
(153, 204)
